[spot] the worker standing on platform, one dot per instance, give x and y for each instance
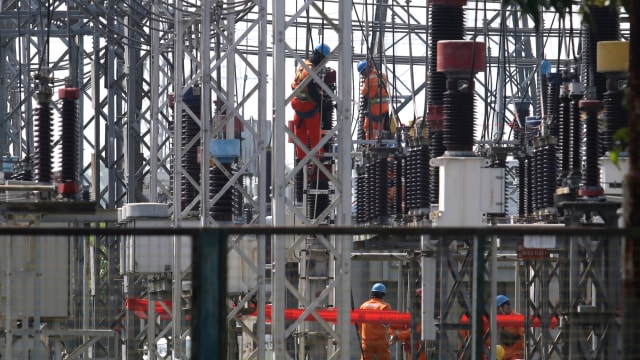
(511, 338)
(307, 103)
(375, 344)
(375, 91)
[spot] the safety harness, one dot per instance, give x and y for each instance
(304, 95)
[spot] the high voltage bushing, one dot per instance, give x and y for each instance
(381, 189)
(190, 130)
(613, 61)
(361, 196)
(522, 112)
(536, 161)
(605, 26)
(423, 176)
(238, 198)
(222, 209)
(552, 102)
(615, 115)
(410, 175)
(69, 185)
(591, 174)
(522, 188)
(447, 23)
(529, 184)
(543, 86)
(43, 144)
(564, 130)
(548, 175)
(396, 175)
(446, 18)
(576, 95)
(417, 195)
(460, 60)
(436, 149)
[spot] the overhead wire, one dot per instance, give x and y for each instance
(393, 114)
(393, 98)
(364, 33)
(473, 47)
(413, 87)
(516, 93)
(308, 37)
(488, 79)
(426, 61)
(381, 65)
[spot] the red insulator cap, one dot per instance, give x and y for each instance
(461, 56)
(448, 2)
(591, 192)
(69, 93)
(68, 188)
(591, 105)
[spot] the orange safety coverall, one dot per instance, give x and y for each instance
(404, 337)
(512, 350)
(374, 336)
(374, 88)
(306, 119)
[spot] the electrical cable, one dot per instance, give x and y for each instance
(489, 109)
(45, 49)
(393, 98)
(515, 94)
(370, 57)
(413, 87)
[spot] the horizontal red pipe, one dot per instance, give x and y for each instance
(143, 305)
(398, 318)
(517, 321)
(357, 316)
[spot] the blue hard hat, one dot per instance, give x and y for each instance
(323, 49)
(545, 67)
(501, 300)
(362, 65)
(379, 287)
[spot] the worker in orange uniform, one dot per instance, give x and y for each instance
(307, 102)
(511, 338)
(404, 336)
(375, 344)
(375, 90)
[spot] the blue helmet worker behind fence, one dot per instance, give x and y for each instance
(379, 287)
(501, 300)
